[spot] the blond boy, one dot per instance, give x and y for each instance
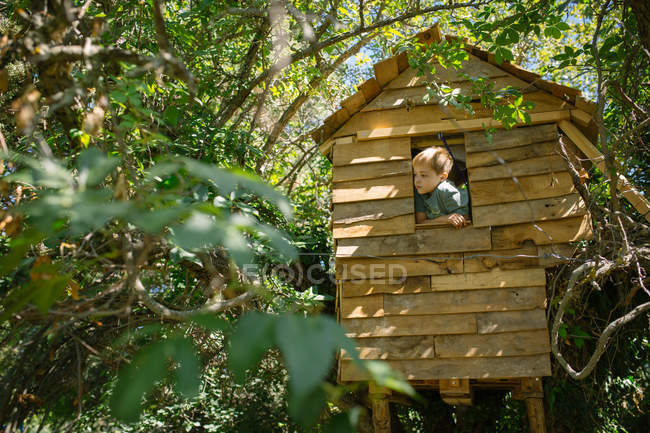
(437, 198)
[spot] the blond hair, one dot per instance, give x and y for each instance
(436, 158)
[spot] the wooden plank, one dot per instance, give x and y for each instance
(362, 306)
(432, 241)
(495, 345)
(510, 321)
(542, 209)
(453, 126)
(549, 232)
(386, 70)
(478, 142)
(633, 195)
(335, 121)
(474, 67)
(484, 261)
(564, 251)
(398, 225)
(465, 301)
(409, 96)
(394, 268)
(496, 278)
(371, 170)
(406, 347)
(471, 368)
(370, 88)
(354, 102)
(580, 117)
(527, 167)
(430, 35)
(402, 61)
(374, 286)
(348, 213)
(372, 189)
(410, 325)
(372, 151)
(505, 190)
(585, 105)
(421, 114)
(491, 157)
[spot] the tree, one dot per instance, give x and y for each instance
(139, 139)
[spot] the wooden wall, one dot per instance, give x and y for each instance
(432, 301)
(436, 302)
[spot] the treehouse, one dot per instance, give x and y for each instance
(456, 310)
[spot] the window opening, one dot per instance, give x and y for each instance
(455, 146)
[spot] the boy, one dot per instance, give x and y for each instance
(437, 199)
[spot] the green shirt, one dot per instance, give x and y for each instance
(446, 199)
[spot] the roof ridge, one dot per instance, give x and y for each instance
(390, 68)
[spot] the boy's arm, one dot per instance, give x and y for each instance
(421, 217)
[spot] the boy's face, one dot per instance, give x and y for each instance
(426, 179)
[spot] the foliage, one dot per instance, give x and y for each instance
(139, 140)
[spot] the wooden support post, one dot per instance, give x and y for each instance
(380, 408)
(535, 409)
(531, 391)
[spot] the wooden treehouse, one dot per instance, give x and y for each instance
(455, 310)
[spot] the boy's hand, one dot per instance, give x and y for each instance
(456, 220)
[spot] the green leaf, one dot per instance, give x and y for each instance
(508, 36)
(305, 409)
(154, 221)
(384, 376)
(94, 166)
(198, 231)
(502, 53)
(136, 380)
(187, 371)
(252, 338)
(307, 347)
(345, 422)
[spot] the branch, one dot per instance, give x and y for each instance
(228, 108)
(304, 96)
(603, 340)
(183, 315)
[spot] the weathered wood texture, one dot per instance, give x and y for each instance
(479, 142)
(505, 190)
(426, 369)
(393, 326)
(375, 286)
(371, 170)
(511, 321)
(466, 301)
(362, 306)
(394, 98)
(453, 126)
(432, 241)
(435, 302)
(526, 167)
(473, 67)
(348, 213)
(492, 157)
(496, 278)
(392, 226)
(531, 210)
(373, 189)
(374, 151)
(542, 233)
(395, 268)
(406, 116)
(496, 345)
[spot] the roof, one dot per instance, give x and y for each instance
(387, 70)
